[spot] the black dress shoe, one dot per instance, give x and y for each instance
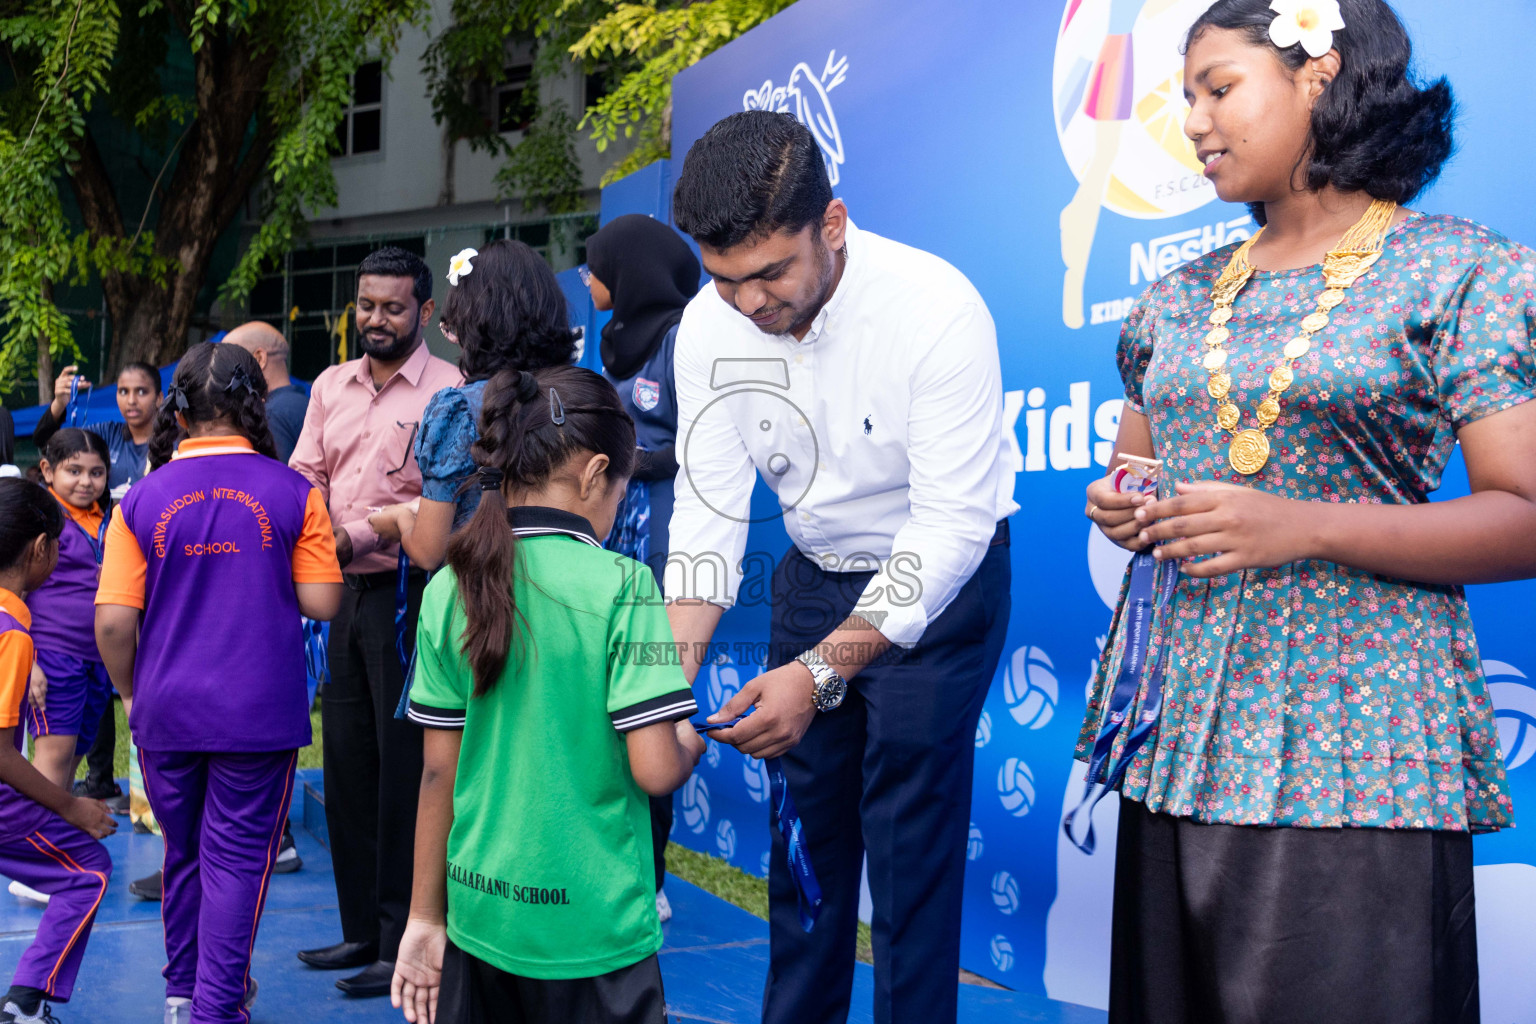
(341, 956)
(372, 980)
(150, 887)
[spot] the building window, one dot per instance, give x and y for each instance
(307, 297)
(595, 88)
(516, 102)
(361, 129)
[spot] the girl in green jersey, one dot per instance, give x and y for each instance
(549, 717)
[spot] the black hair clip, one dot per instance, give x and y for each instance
(556, 408)
(240, 380)
(175, 399)
(491, 478)
(527, 387)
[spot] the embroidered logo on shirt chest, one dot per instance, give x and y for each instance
(647, 393)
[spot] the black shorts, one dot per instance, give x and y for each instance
(474, 992)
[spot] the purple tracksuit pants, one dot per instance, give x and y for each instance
(222, 818)
(73, 869)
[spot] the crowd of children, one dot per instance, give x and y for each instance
(516, 678)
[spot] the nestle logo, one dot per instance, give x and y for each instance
(1161, 256)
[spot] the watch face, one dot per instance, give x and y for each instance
(830, 693)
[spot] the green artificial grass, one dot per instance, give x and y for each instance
(309, 757)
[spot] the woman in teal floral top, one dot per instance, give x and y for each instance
(1321, 672)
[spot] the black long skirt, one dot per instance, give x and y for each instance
(1235, 924)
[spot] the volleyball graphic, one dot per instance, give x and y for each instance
(756, 774)
(1030, 687)
(696, 804)
(983, 730)
(1015, 787)
(1005, 892)
(763, 864)
(725, 839)
(1514, 696)
(973, 844)
(722, 681)
(712, 753)
(1002, 953)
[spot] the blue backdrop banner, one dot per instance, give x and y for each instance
(961, 129)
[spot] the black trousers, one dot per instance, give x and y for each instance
(888, 772)
(372, 762)
(1238, 924)
(98, 759)
(474, 992)
(661, 827)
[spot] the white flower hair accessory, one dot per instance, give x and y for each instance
(1311, 23)
(460, 266)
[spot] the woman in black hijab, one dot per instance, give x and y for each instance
(645, 273)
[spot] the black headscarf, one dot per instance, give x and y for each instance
(651, 274)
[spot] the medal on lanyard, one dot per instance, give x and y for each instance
(75, 411)
(786, 819)
(1151, 588)
(402, 603)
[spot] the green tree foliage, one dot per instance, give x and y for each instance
(658, 40)
(224, 96)
(633, 47)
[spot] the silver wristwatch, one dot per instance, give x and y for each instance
(830, 688)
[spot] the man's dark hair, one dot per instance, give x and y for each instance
(392, 261)
(751, 175)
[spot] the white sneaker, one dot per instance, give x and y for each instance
(44, 1015)
(31, 895)
(663, 908)
(178, 1011)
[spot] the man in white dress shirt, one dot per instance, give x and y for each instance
(860, 378)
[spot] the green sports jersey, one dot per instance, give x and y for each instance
(550, 870)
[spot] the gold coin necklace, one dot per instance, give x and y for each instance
(1356, 253)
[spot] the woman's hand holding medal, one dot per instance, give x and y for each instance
(1226, 527)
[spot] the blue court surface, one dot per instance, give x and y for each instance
(713, 962)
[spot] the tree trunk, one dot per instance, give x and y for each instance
(210, 176)
(45, 357)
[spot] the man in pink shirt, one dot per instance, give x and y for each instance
(357, 448)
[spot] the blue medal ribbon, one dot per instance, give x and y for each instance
(786, 818)
(402, 609)
(75, 412)
(1139, 613)
(316, 661)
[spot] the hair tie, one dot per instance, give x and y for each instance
(491, 478)
(240, 380)
(175, 399)
(556, 408)
(526, 389)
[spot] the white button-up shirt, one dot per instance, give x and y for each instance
(881, 433)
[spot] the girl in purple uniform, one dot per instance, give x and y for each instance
(67, 707)
(47, 837)
(210, 561)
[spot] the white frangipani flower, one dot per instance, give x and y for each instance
(1311, 23)
(460, 266)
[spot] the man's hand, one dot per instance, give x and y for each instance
(1114, 513)
(784, 712)
(343, 545)
(37, 688)
(419, 970)
(91, 817)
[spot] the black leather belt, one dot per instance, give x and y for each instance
(1001, 534)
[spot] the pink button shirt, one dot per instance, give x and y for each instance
(357, 444)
